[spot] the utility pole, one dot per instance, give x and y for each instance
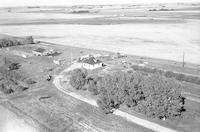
(5, 61)
(183, 64)
(71, 54)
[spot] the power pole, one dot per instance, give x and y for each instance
(5, 61)
(183, 64)
(71, 55)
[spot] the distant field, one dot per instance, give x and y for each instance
(129, 29)
(165, 41)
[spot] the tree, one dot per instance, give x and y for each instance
(154, 96)
(118, 88)
(162, 98)
(108, 99)
(92, 87)
(6, 90)
(27, 40)
(134, 91)
(92, 84)
(78, 78)
(6, 42)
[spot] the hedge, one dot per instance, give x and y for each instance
(168, 74)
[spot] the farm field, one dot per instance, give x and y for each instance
(165, 34)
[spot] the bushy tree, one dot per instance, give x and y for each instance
(5, 90)
(78, 78)
(92, 84)
(14, 66)
(6, 42)
(92, 87)
(27, 40)
(154, 96)
(169, 74)
(119, 88)
(134, 93)
(162, 98)
(108, 99)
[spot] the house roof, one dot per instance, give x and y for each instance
(91, 61)
(40, 50)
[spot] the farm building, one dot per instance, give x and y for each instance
(39, 52)
(44, 52)
(59, 62)
(92, 63)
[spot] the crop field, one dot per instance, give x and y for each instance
(165, 34)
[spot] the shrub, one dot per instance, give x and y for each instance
(168, 74)
(6, 90)
(21, 88)
(180, 77)
(80, 12)
(30, 81)
(107, 104)
(135, 67)
(78, 78)
(14, 66)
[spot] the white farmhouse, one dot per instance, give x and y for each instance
(92, 63)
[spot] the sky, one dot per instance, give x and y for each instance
(6, 3)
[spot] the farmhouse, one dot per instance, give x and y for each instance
(92, 63)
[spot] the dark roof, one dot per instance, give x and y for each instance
(91, 61)
(41, 50)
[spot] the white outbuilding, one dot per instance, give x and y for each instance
(92, 63)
